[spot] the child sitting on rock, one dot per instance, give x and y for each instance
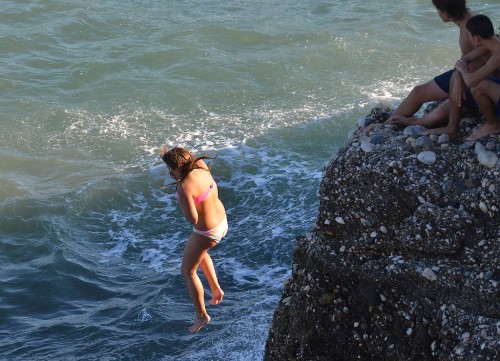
(483, 84)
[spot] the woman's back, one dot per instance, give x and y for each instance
(201, 187)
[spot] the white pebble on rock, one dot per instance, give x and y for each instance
(427, 157)
(487, 158)
(443, 138)
(429, 274)
(339, 220)
(478, 148)
(367, 147)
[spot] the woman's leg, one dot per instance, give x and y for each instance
(207, 266)
(196, 249)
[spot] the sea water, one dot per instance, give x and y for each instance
(90, 239)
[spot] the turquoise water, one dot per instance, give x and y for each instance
(91, 243)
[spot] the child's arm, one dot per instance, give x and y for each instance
(472, 79)
(457, 92)
(474, 54)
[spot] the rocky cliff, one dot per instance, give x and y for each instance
(402, 263)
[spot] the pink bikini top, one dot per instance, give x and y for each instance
(202, 196)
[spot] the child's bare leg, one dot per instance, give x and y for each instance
(207, 266)
(195, 251)
(484, 94)
(485, 130)
(453, 123)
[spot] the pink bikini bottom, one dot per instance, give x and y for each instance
(215, 234)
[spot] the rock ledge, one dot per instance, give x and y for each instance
(402, 263)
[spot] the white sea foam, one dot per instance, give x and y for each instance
(268, 275)
(144, 315)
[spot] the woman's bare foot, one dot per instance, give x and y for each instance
(199, 323)
(217, 297)
(485, 130)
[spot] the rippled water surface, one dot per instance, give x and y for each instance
(91, 242)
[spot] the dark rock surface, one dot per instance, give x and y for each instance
(403, 261)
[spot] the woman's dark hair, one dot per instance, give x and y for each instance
(182, 159)
(480, 25)
(457, 9)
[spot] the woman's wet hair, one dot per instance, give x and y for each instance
(181, 159)
(457, 9)
(480, 25)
